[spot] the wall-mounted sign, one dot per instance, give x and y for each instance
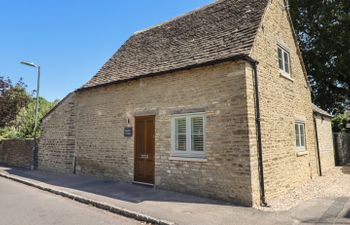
(127, 131)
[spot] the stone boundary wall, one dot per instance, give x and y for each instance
(342, 148)
(325, 142)
(17, 153)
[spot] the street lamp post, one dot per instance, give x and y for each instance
(37, 95)
(36, 108)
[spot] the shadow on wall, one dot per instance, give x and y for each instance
(346, 169)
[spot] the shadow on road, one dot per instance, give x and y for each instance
(109, 188)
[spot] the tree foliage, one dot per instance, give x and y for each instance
(323, 30)
(12, 99)
(17, 110)
(339, 122)
(25, 119)
(8, 133)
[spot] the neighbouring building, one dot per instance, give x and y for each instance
(324, 140)
(214, 103)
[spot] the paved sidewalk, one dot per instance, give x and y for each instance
(166, 207)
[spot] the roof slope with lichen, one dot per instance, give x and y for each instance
(223, 29)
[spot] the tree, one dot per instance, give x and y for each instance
(339, 122)
(25, 120)
(323, 30)
(17, 110)
(12, 99)
(8, 133)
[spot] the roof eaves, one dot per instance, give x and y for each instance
(318, 111)
(208, 63)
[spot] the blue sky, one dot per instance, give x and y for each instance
(72, 39)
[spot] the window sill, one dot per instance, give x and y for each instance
(302, 153)
(185, 159)
(286, 76)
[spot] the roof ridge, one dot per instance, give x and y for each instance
(179, 17)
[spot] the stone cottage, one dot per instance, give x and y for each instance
(215, 103)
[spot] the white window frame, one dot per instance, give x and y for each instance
(189, 153)
(299, 123)
(283, 71)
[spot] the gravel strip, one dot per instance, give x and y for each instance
(335, 183)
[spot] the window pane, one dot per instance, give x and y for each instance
(297, 135)
(180, 134)
(280, 58)
(302, 135)
(286, 62)
(302, 141)
(197, 135)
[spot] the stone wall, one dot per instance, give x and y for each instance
(88, 126)
(325, 142)
(102, 113)
(17, 153)
(283, 100)
(219, 91)
(342, 148)
(57, 141)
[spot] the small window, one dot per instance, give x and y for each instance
(188, 135)
(300, 135)
(283, 60)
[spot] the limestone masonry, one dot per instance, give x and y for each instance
(84, 134)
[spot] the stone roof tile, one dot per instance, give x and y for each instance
(220, 30)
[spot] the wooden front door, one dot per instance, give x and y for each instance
(144, 149)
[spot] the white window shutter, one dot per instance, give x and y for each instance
(197, 133)
(180, 134)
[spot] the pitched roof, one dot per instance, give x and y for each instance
(220, 30)
(320, 111)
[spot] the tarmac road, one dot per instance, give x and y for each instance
(24, 205)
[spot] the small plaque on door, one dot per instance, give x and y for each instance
(144, 157)
(127, 131)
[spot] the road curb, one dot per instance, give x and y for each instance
(100, 205)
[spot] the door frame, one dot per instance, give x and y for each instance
(154, 154)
